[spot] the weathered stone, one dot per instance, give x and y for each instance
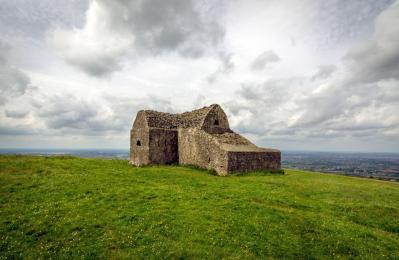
(201, 137)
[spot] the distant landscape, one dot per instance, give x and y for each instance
(370, 165)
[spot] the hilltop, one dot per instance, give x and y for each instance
(73, 207)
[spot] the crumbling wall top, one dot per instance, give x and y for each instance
(193, 118)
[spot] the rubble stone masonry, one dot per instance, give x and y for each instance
(201, 137)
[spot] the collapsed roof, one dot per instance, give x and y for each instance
(194, 118)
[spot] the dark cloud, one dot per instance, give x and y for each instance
(98, 66)
(348, 110)
(270, 92)
(13, 82)
(71, 115)
(68, 112)
(276, 108)
(263, 59)
(377, 59)
(316, 108)
(33, 18)
(343, 21)
(16, 113)
(186, 26)
(363, 99)
(110, 114)
(362, 103)
(324, 72)
(16, 130)
(115, 29)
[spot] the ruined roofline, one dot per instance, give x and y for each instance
(162, 120)
(234, 142)
(205, 108)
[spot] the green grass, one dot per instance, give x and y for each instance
(66, 207)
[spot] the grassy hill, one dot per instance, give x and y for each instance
(67, 207)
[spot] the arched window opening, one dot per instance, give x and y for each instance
(138, 143)
(216, 122)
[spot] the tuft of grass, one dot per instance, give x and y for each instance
(68, 207)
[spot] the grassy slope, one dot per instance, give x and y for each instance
(91, 207)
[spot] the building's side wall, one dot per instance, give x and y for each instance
(253, 161)
(163, 145)
(139, 141)
(198, 148)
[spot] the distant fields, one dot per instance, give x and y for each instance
(69, 207)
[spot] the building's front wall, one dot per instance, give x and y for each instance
(163, 146)
(197, 147)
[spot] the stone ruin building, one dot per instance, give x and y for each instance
(201, 137)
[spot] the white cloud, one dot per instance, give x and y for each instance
(264, 108)
(178, 55)
(360, 102)
(364, 100)
(13, 82)
(92, 116)
(97, 49)
(116, 29)
(227, 66)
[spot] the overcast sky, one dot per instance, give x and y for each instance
(293, 75)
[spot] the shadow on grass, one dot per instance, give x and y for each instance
(214, 173)
(197, 168)
(236, 174)
(257, 173)
(187, 166)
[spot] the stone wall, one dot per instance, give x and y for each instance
(163, 146)
(199, 148)
(139, 141)
(254, 161)
(201, 137)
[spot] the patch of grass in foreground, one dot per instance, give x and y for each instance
(72, 207)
